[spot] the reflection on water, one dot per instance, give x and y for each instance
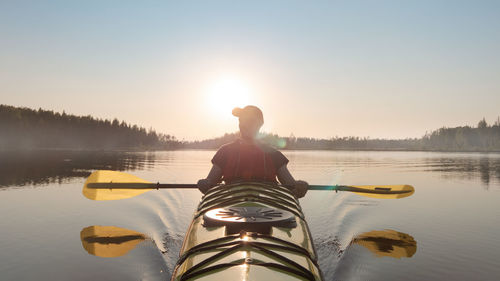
(112, 241)
(387, 243)
(376, 255)
(109, 241)
(21, 168)
(484, 167)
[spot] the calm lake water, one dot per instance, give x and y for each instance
(448, 230)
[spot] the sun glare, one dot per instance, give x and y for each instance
(226, 94)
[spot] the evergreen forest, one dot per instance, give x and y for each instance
(24, 128)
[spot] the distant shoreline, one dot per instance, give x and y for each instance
(26, 129)
(132, 150)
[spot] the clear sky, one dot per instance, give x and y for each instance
(389, 69)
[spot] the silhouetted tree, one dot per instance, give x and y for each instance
(482, 124)
(22, 128)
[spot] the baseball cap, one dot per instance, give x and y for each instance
(249, 111)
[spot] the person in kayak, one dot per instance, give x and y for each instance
(247, 159)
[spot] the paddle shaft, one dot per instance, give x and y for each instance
(126, 185)
(135, 185)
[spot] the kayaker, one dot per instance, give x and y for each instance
(247, 159)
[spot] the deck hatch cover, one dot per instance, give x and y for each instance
(244, 218)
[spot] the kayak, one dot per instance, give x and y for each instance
(248, 231)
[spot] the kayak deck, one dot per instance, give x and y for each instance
(248, 231)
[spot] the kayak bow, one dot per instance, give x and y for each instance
(248, 231)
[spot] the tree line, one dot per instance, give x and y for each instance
(484, 138)
(24, 128)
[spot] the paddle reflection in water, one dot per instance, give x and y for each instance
(109, 241)
(377, 255)
(387, 243)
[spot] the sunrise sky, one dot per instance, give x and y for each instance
(390, 69)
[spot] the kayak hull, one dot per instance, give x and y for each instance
(248, 231)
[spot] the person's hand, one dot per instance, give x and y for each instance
(300, 188)
(204, 185)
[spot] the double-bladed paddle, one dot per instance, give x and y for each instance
(113, 185)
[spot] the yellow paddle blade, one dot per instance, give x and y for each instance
(388, 243)
(406, 190)
(109, 241)
(104, 176)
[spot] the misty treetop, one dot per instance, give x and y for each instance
(481, 138)
(24, 128)
(302, 143)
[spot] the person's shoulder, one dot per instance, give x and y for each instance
(229, 146)
(267, 148)
(278, 158)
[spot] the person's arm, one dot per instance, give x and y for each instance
(286, 178)
(213, 178)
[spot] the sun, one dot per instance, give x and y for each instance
(227, 93)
